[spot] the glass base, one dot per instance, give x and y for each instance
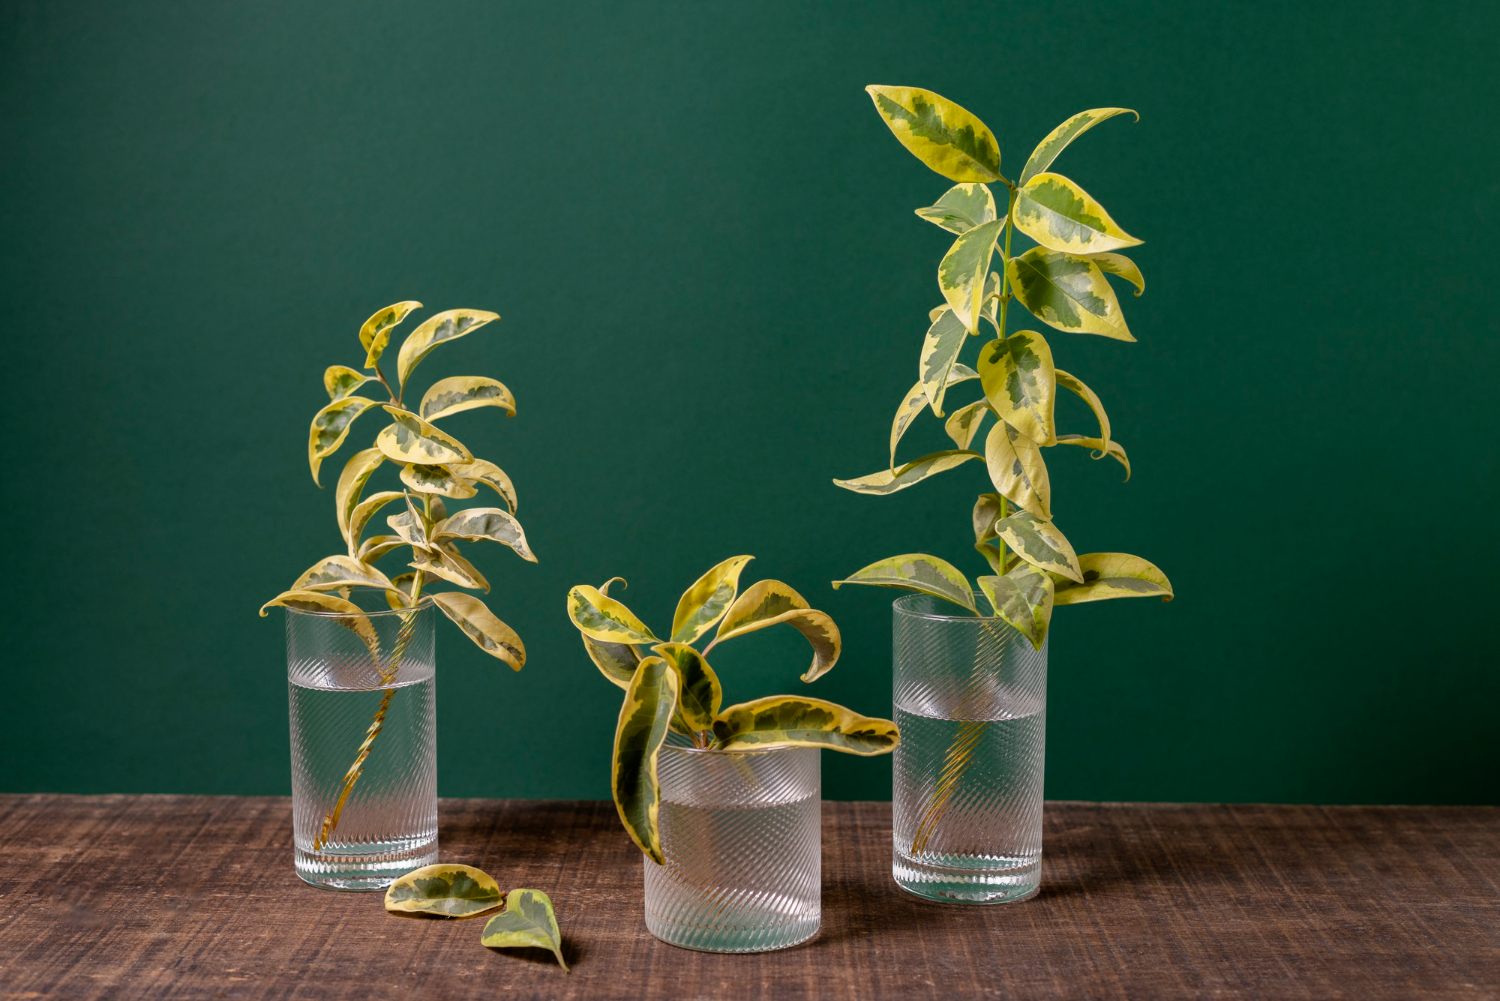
(959, 879)
(766, 937)
(363, 866)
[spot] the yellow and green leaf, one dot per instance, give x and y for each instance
(770, 602)
(964, 423)
(940, 133)
(1058, 139)
(940, 348)
(650, 700)
(1075, 385)
(352, 480)
(1068, 292)
(1023, 599)
(410, 526)
(464, 392)
(330, 426)
(449, 891)
(491, 475)
(1019, 382)
(1119, 264)
(485, 523)
(528, 921)
(377, 546)
(437, 329)
(1017, 470)
(480, 624)
(986, 512)
(961, 275)
(1038, 542)
(445, 561)
(375, 334)
(616, 661)
(700, 694)
(601, 617)
(347, 614)
(366, 509)
(793, 721)
(1055, 212)
(439, 480)
(1115, 575)
(917, 572)
(705, 602)
(410, 439)
(341, 380)
(334, 572)
(961, 208)
(1113, 448)
(915, 400)
(990, 308)
(914, 472)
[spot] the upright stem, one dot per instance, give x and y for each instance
(999, 542)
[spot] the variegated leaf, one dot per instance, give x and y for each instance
(1058, 139)
(436, 509)
(1018, 380)
(940, 348)
(445, 561)
(410, 439)
(479, 624)
(464, 392)
(961, 275)
(341, 380)
(528, 921)
(792, 721)
(436, 480)
(915, 471)
(437, 329)
(1068, 292)
(1038, 542)
(375, 334)
(1023, 599)
(491, 475)
(1055, 212)
(705, 602)
(938, 132)
(1017, 470)
(401, 597)
(366, 509)
(964, 423)
(344, 612)
(449, 891)
(1113, 448)
(330, 426)
(916, 572)
(334, 572)
(990, 308)
(650, 700)
(409, 525)
(769, 603)
(701, 695)
(915, 400)
(1115, 575)
(992, 555)
(961, 208)
(616, 661)
(601, 617)
(352, 480)
(1073, 384)
(1119, 264)
(377, 546)
(987, 510)
(476, 523)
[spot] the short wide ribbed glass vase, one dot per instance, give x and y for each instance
(971, 702)
(742, 837)
(364, 743)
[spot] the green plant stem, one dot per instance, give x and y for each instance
(999, 542)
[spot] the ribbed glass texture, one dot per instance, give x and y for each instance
(362, 708)
(971, 701)
(742, 838)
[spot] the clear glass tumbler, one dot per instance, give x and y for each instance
(971, 701)
(743, 840)
(364, 743)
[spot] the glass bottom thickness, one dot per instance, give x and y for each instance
(968, 879)
(364, 866)
(765, 936)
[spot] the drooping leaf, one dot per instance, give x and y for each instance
(940, 348)
(491, 475)
(616, 661)
(1019, 382)
(964, 423)
(987, 511)
(440, 328)
(330, 426)
(961, 275)
(915, 401)
(480, 624)
(915, 471)
(938, 132)
(601, 617)
(990, 307)
(334, 572)
(1073, 384)
(961, 208)
(1017, 470)
(701, 695)
(352, 480)
(1114, 449)
(794, 721)
(1068, 292)
(341, 380)
(650, 701)
(410, 526)
(1055, 212)
(528, 921)
(1039, 543)
(464, 392)
(410, 439)
(436, 480)
(476, 523)
(1115, 575)
(366, 509)
(1119, 264)
(445, 561)
(1022, 598)
(375, 334)
(449, 891)
(991, 553)
(1058, 139)
(377, 546)
(705, 602)
(347, 614)
(768, 603)
(917, 572)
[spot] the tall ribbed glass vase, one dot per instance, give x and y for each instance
(971, 701)
(742, 837)
(364, 743)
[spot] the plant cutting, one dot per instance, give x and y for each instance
(723, 802)
(1063, 281)
(342, 650)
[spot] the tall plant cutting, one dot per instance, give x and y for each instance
(432, 467)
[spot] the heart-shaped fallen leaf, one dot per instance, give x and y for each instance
(527, 921)
(449, 891)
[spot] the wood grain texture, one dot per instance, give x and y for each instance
(194, 897)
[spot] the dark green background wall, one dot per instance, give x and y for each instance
(700, 237)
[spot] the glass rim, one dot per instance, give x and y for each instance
(904, 605)
(690, 749)
(424, 603)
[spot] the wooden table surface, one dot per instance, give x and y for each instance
(194, 897)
